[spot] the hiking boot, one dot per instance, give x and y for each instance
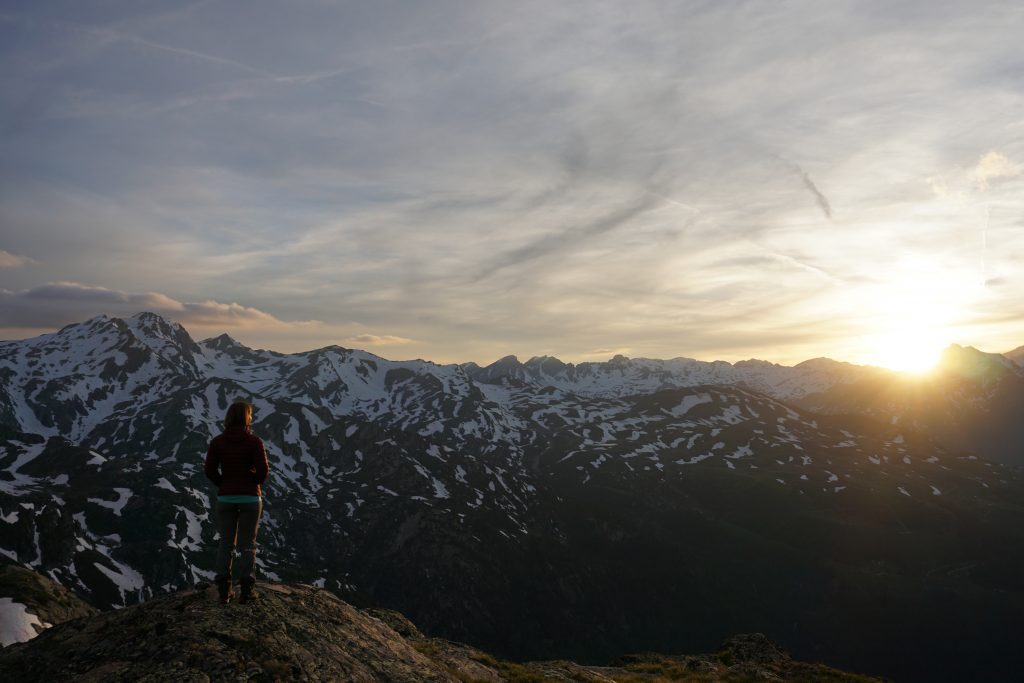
(248, 592)
(223, 583)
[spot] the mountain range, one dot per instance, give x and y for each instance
(855, 515)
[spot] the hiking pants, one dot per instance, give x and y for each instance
(237, 523)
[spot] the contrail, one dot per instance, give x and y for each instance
(822, 200)
(786, 258)
(819, 196)
(128, 38)
(984, 242)
(111, 35)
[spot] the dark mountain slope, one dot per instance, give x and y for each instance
(972, 403)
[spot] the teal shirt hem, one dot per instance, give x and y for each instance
(238, 499)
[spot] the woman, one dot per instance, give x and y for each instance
(236, 462)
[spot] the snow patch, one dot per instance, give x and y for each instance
(688, 403)
(123, 496)
(164, 484)
(741, 452)
(439, 489)
(16, 624)
(695, 459)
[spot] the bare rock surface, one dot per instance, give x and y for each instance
(296, 632)
(46, 600)
(292, 632)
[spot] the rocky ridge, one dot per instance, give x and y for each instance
(30, 602)
(299, 632)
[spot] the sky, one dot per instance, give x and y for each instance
(460, 181)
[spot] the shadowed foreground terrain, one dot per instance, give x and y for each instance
(297, 632)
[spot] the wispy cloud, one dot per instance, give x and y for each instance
(9, 260)
(377, 340)
(603, 353)
(59, 303)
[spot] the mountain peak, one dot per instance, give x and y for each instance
(149, 316)
(93, 323)
(548, 365)
(822, 363)
(755, 363)
(223, 340)
(156, 325)
(1017, 355)
(969, 362)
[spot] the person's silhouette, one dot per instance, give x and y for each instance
(236, 462)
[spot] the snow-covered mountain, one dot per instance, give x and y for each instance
(498, 503)
(623, 376)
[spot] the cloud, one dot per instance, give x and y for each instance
(555, 242)
(543, 181)
(9, 260)
(378, 339)
(965, 182)
(604, 352)
(940, 186)
(60, 303)
(991, 166)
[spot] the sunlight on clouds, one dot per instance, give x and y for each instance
(59, 303)
(992, 166)
(962, 183)
(377, 339)
(9, 260)
(605, 353)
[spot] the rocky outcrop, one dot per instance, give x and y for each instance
(36, 602)
(301, 633)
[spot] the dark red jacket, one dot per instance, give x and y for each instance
(236, 462)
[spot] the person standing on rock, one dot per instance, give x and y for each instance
(236, 462)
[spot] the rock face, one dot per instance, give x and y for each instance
(301, 633)
(35, 601)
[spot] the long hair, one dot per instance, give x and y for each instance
(239, 415)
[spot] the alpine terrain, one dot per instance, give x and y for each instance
(544, 510)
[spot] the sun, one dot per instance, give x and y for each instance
(912, 316)
(914, 351)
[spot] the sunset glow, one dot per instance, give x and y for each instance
(909, 351)
(551, 179)
(916, 313)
